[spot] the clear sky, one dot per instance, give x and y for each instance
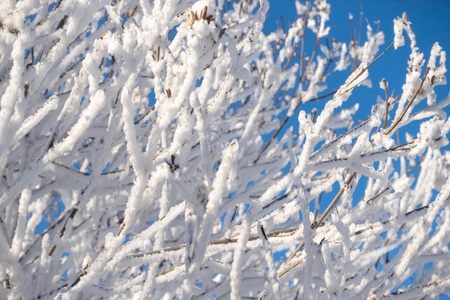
(430, 22)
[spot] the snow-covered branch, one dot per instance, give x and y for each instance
(149, 149)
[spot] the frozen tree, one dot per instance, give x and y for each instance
(166, 149)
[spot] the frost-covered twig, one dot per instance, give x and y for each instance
(148, 150)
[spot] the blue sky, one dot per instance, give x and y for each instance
(430, 23)
(430, 19)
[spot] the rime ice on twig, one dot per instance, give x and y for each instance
(147, 149)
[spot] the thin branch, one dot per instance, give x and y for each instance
(310, 59)
(285, 120)
(418, 289)
(411, 214)
(40, 55)
(225, 241)
(386, 112)
(379, 194)
(322, 217)
(308, 6)
(361, 13)
(408, 106)
(333, 203)
(368, 66)
(290, 58)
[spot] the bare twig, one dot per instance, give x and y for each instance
(305, 19)
(444, 281)
(40, 55)
(368, 66)
(311, 58)
(361, 14)
(333, 203)
(386, 112)
(324, 214)
(225, 241)
(285, 120)
(408, 106)
(379, 194)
